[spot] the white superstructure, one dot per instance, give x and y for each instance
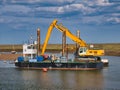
(29, 50)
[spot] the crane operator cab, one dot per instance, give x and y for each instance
(82, 51)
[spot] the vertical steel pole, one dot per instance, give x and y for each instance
(38, 41)
(64, 43)
(78, 35)
(77, 45)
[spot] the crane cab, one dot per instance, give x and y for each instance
(82, 51)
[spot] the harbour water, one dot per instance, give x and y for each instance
(12, 78)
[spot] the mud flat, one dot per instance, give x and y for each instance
(9, 56)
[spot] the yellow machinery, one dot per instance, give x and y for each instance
(82, 51)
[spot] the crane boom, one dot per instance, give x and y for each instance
(61, 28)
(48, 36)
(83, 51)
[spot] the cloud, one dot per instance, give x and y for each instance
(75, 7)
(116, 14)
(39, 2)
(93, 20)
(15, 9)
(97, 2)
(114, 20)
(1, 20)
(101, 20)
(89, 11)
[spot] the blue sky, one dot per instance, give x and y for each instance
(97, 20)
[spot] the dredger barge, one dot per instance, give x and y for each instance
(30, 60)
(85, 59)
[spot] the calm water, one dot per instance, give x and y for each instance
(12, 78)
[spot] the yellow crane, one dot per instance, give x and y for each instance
(82, 51)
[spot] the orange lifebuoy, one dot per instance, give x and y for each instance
(44, 69)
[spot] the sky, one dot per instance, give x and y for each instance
(97, 20)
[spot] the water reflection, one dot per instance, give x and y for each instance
(64, 79)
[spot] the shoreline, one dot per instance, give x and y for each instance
(111, 49)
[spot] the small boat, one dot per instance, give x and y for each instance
(5, 61)
(105, 62)
(13, 52)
